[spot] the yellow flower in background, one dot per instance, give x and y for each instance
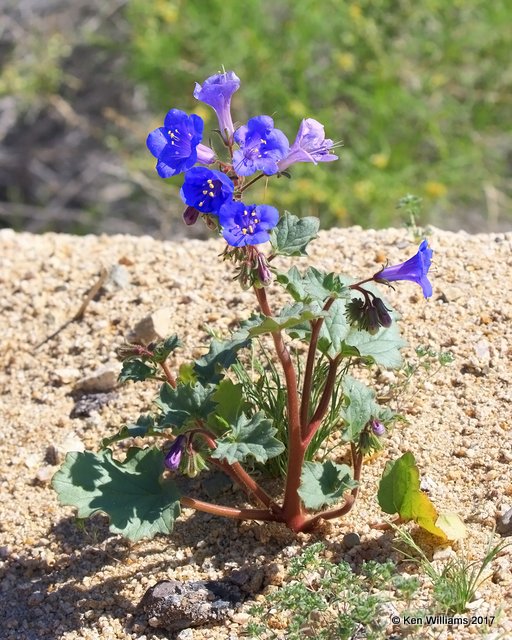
(380, 160)
(435, 189)
(167, 11)
(202, 111)
(296, 108)
(345, 61)
(355, 12)
(438, 80)
(363, 190)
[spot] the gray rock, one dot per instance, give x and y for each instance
(102, 380)
(174, 605)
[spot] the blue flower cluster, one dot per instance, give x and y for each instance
(254, 147)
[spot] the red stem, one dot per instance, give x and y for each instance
(228, 512)
(292, 505)
(323, 405)
(237, 472)
(170, 378)
(308, 374)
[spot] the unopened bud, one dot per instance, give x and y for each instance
(378, 428)
(382, 313)
(173, 458)
(190, 215)
(264, 273)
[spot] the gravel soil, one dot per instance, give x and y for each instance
(62, 581)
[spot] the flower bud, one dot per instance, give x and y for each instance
(173, 458)
(190, 215)
(264, 273)
(382, 313)
(377, 427)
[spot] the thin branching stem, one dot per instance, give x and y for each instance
(168, 374)
(237, 472)
(323, 404)
(310, 363)
(228, 512)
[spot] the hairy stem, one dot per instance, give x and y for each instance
(168, 374)
(292, 505)
(323, 405)
(246, 186)
(228, 512)
(310, 363)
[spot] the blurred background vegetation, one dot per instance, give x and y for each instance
(420, 94)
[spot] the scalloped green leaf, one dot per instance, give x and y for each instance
(252, 436)
(163, 349)
(360, 408)
(292, 234)
(229, 400)
(142, 428)
(323, 483)
(313, 285)
(290, 316)
(136, 370)
(383, 348)
(138, 501)
(184, 403)
(335, 328)
(221, 355)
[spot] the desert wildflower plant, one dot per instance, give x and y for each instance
(241, 407)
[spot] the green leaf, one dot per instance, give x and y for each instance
(360, 408)
(382, 348)
(163, 349)
(222, 354)
(314, 285)
(138, 502)
(229, 400)
(399, 492)
(136, 370)
(335, 328)
(143, 427)
(249, 437)
(290, 316)
(292, 235)
(324, 483)
(185, 403)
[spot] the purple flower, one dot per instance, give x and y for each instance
(177, 145)
(261, 147)
(414, 269)
(206, 190)
(216, 91)
(310, 145)
(377, 427)
(173, 458)
(244, 224)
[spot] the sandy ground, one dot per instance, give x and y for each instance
(63, 582)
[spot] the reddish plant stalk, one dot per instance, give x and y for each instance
(310, 363)
(168, 374)
(292, 504)
(323, 405)
(228, 512)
